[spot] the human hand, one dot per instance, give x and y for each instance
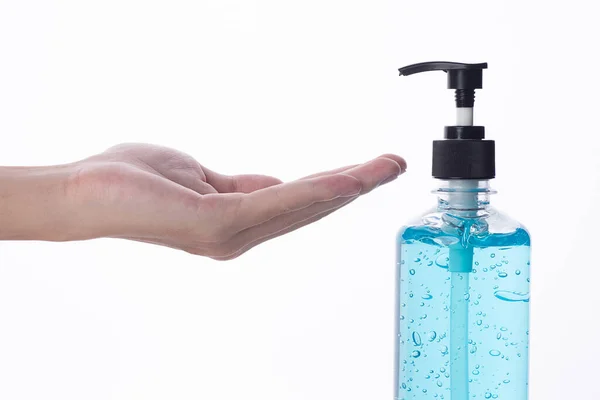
(159, 195)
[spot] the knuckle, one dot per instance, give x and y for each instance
(184, 162)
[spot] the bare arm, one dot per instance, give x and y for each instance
(161, 196)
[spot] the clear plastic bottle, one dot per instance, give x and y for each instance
(463, 271)
(462, 300)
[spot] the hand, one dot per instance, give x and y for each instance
(158, 195)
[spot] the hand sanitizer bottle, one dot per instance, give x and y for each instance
(462, 298)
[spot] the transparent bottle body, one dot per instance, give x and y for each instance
(462, 302)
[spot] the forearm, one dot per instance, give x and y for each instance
(33, 203)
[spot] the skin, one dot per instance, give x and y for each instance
(162, 196)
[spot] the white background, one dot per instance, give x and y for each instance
(288, 88)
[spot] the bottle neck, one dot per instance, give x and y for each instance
(463, 194)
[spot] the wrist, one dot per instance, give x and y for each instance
(34, 204)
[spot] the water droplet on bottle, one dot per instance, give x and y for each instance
(503, 329)
(476, 262)
(416, 353)
(499, 336)
(427, 376)
(444, 350)
(502, 274)
(492, 255)
(473, 350)
(518, 272)
(424, 316)
(467, 296)
(403, 385)
(442, 369)
(479, 322)
(506, 381)
(427, 297)
(402, 262)
(527, 279)
(507, 295)
(417, 260)
(475, 372)
(421, 304)
(488, 395)
(412, 271)
(432, 336)
(411, 295)
(416, 338)
(494, 353)
(424, 390)
(430, 263)
(442, 261)
(494, 396)
(485, 270)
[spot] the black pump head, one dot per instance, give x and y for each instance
(464, 78)
(464, 154)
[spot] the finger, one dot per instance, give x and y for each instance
(375, 172)
(256, 239)
(262, 205)
(239, 183)
(371, 175)
(331, 172)
(399, 160)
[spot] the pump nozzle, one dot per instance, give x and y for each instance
(464, 78)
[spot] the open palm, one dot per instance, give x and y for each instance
(159, 195)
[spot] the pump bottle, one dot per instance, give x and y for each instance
(462, 294)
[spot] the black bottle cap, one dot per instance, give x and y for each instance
(464, 153)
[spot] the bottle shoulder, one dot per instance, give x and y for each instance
(486, 223)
